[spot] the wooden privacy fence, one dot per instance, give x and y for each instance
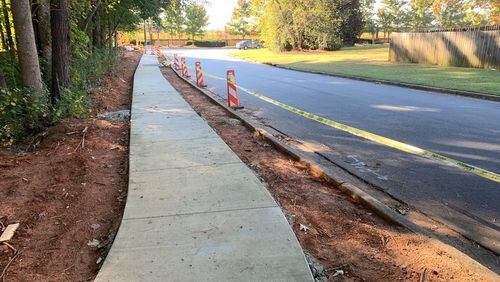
(477, 47)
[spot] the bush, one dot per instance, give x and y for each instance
(133, 41)
(211, 43)
(76, 100)
(330, 43)
(89, 68)
(22, 112)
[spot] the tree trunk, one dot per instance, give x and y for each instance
(45, 46)
(96, 31)
(145, 34)
(61, 68)
(150, 32)
(25, 36)
(96, 4)
(3, 83)
(4, 44)
(10, 41)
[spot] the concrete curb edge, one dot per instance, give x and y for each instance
(354, 192)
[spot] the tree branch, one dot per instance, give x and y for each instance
(91, 16)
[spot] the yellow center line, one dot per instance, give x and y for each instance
(374, 137)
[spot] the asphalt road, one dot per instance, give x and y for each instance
(461, 128)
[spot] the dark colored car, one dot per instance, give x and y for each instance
(248, 44)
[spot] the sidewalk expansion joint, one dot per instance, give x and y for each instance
(201, 212)
(185, 167)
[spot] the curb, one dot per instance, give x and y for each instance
(477, 95)
(357, 194)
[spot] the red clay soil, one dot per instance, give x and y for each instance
(68, 189)
(351, 242)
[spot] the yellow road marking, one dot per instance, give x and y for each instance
(374, 137)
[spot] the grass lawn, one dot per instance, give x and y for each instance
(372, 62)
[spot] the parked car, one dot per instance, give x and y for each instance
(248, 44)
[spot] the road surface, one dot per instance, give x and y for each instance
(462, 128)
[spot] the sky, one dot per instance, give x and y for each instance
(220, 12)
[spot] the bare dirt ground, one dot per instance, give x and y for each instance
(351, 242)
(68, 189)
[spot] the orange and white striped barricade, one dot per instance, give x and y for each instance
(176, 62)
(185, 71)
(232, 91)
(200, 79)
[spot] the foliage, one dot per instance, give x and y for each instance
(209, 43)
(308, 24)
(93, 27)
(196, 19)
(174, 18)
(449, 13)
(351, 18)
(242, 22)
(368, 14)
(481, 12)
(391, 15)
(420, 14)
(22, 111)
(396, 15)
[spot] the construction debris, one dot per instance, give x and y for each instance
(116, 116)
(9, 232)
(304, 228)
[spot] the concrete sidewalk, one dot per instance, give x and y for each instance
(195, 211)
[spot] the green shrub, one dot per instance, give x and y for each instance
(88, 69)
(22, 112)
(10, 69)
(210, 43)
(73, 102)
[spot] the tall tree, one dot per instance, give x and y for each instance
(174, 19)
(352, 20)
(241, 22)
(61, 66)
(2, 36)
(449, 13)
(369, 20)
(27, 52)
(8, 30)
(420, 14)
(391, 15)
(42, 31)
(481, 12)
(308, 24)
(196, 19)
(97, 25)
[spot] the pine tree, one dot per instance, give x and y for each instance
(27, 52)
